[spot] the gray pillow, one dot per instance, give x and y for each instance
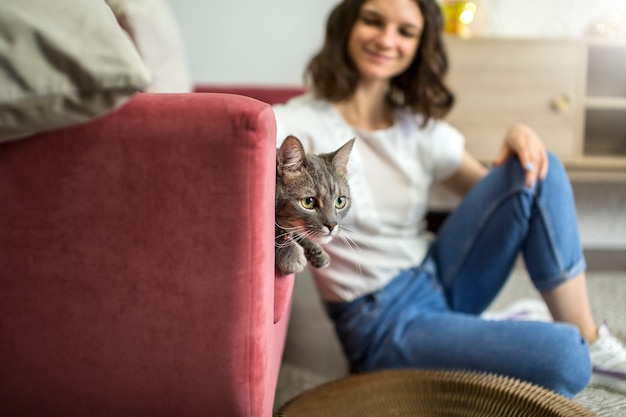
(62, 62)
(154, 30)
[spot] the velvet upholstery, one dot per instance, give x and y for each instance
(137, 263)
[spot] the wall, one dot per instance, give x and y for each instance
(548, 18)
(251, 41)
(269, 43)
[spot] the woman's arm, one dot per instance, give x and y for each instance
(470, 171)
(520, 140)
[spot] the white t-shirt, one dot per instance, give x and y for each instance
(390, 175)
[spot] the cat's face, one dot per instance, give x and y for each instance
(312, 192)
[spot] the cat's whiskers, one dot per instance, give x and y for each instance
(351, 244)
(285, 239)
(344, 227)
(317, 232)
(292, 234)
(286, 228)
(283, 244)
(302, 234)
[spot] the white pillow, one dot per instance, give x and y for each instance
(155, 32)
(62, 62)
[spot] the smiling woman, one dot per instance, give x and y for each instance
(399, 297)
(335, 71)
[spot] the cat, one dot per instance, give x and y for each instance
(312, 198)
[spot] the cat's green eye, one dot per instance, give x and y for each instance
(308, 202)
(341, 202)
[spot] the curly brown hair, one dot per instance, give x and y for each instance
(331, 74)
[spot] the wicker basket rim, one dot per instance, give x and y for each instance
(467, 382)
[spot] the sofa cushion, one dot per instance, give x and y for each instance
(154, 30)
(62, 62)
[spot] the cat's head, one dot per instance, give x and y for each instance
(312, 192)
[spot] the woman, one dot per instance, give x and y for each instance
(402, 299)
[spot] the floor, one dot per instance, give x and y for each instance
(313, 356)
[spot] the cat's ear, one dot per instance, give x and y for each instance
(340, 156)
(290, 156)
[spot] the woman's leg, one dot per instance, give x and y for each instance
(408, 324)
(569, 303)
(420, 319)
(553, 253)
(501, 217)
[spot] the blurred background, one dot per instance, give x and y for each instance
(250, 42)
(269, 42)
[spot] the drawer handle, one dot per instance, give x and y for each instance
(561, 103)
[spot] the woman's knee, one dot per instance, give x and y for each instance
(554, 191)
(556, 171)
(517, 174)
(568, 370)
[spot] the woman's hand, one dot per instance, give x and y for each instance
(524, 142)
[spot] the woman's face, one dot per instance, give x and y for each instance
(385, 36)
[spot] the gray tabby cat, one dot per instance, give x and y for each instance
(312, 197)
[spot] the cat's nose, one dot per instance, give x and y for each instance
(330, 225)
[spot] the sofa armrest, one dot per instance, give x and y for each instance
(137, 263)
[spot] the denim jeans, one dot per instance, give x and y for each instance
(428, 316)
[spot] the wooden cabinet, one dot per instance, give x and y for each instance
(572, 92)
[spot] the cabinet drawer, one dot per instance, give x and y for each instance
(498, 82)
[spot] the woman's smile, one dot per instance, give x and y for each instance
(384, 39)
(378, 57)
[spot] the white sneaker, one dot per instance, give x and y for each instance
(529, 309)
(608, 357)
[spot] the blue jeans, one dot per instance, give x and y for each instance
(428, 316)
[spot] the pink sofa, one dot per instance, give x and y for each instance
(137, 263)
(267, 94)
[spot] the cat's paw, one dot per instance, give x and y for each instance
(318, 258)
(290, 259)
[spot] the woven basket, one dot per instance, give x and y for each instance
(428, 394)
